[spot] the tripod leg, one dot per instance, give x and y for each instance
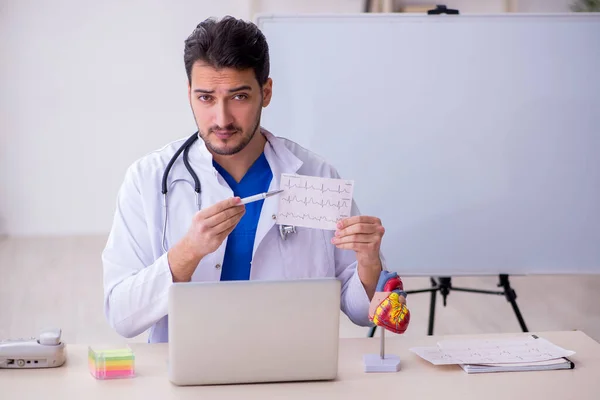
(511, 296)
(432, 308)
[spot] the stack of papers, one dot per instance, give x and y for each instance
(527, 354)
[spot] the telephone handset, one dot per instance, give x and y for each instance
(45, 351)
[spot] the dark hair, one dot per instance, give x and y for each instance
(228, 43)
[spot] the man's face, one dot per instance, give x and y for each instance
(227, 106)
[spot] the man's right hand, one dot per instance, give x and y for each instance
(209, 229)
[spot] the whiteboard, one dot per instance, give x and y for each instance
(475, 138)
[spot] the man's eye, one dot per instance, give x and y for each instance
(204, 98)
(240, 96)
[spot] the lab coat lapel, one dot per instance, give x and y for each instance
(282, 161)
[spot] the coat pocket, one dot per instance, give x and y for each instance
(306, 254)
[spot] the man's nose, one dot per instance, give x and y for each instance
(223, 116)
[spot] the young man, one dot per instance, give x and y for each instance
(227, 64)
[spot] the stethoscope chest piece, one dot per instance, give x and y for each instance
(285, 230)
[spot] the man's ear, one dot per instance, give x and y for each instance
(189, 91)
(267, 92)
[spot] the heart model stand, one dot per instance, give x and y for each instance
(387, 310)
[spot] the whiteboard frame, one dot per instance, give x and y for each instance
(262, 19)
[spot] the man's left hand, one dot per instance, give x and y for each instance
(362, 234)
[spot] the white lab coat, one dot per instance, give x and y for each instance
(137, 276)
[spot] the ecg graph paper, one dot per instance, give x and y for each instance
(491, 351)
(314, 202)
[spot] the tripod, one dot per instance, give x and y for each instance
(444, 286)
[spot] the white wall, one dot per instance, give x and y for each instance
(86, 87)
(464, 6)
(548, 6)
(308, 6)
(492, 6)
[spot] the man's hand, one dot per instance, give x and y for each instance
(362, 234)
(209, 229)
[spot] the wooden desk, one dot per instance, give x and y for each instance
(417, 379)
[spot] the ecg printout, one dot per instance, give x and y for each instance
(491, 351)
(314, 202)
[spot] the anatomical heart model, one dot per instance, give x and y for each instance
(388, 311)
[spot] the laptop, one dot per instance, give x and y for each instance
(253, 331)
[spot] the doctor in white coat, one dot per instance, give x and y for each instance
(227, 65)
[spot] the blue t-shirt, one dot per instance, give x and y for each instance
(240, 243)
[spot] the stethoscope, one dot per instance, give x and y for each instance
(284, 230)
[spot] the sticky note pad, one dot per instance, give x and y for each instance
(111, 363)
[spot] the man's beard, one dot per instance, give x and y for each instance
(232, 128)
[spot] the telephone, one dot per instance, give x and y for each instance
(45, 351)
